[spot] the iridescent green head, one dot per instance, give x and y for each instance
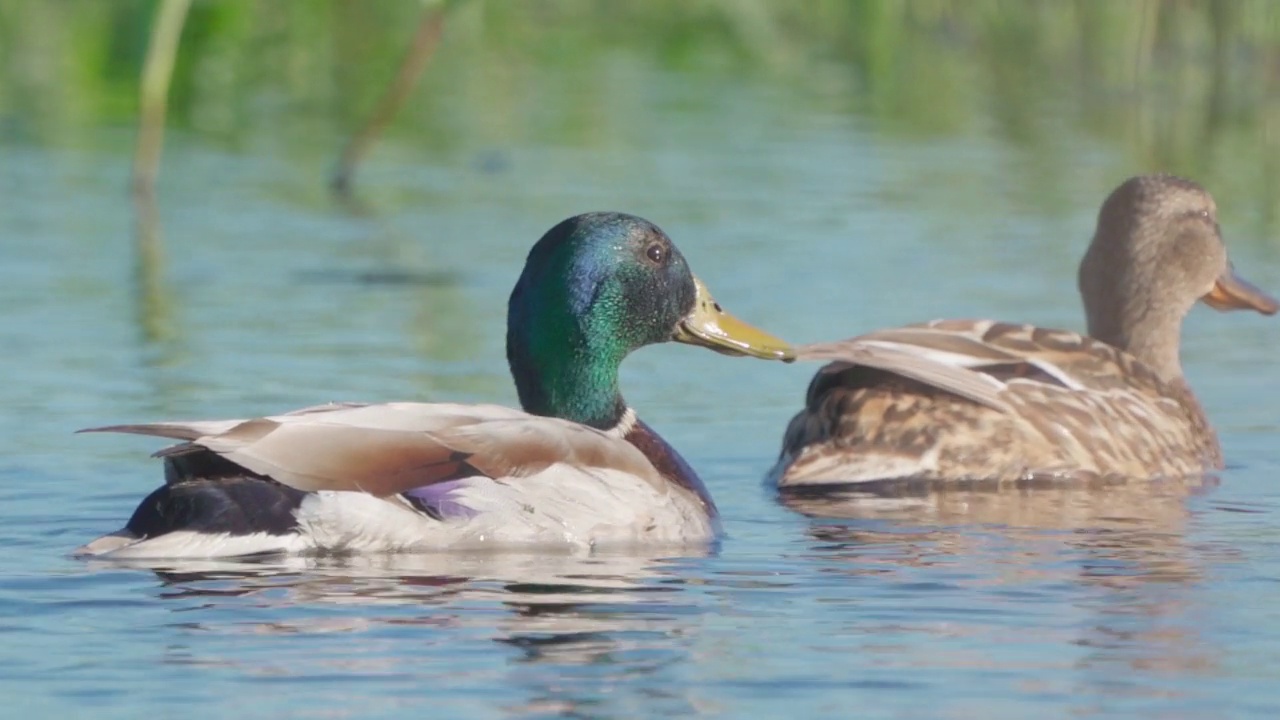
(596, 287)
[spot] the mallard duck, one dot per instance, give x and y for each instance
(575, 468)
(982, 400)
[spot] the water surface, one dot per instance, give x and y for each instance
(818, 191)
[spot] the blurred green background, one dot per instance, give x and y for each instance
(1174, 84)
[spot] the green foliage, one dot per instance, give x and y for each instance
(1176, 85)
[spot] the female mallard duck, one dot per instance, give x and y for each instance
(990, 401)
(576, 468)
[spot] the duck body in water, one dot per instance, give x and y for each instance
(575, 468)
(985, 401)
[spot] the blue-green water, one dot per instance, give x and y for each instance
(804, 216)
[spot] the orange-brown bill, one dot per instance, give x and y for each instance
(1232, 292)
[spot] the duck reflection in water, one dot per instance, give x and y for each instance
(574, 626)
(1110, 565)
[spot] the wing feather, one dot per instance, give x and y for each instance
(988, 362)
(395, 447)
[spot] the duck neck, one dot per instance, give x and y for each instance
(1125, 307)
(560, 373)
(1149, 332)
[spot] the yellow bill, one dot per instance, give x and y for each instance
(710, 326)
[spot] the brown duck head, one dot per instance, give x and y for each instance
(1156, 252)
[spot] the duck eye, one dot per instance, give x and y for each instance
(657, 253)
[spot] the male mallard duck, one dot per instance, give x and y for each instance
(576, 468)
(992, 401)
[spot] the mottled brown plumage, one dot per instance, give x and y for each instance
(984, 400)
